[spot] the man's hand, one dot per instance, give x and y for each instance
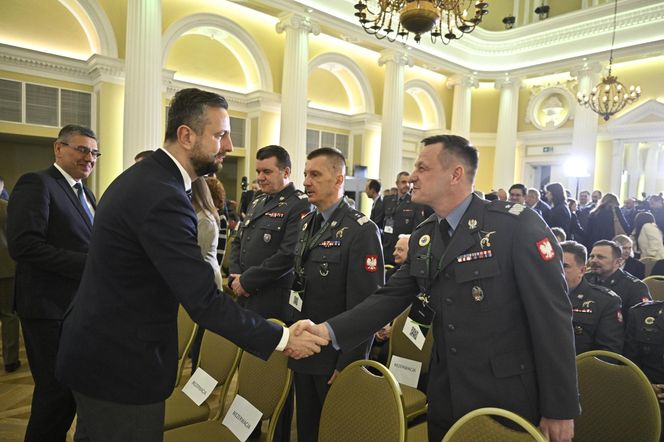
(557, 430)
(236, 286)
(333, 377)
(384, 333)
(659, 391)
(302, 343)
(307, 325)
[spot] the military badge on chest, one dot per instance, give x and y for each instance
(267, 238)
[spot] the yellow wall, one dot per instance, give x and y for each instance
(326, 89)
(484, 108)
(484, 177)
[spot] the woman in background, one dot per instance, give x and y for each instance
(605, 221)
(219, 200)
(648, 237)
(559, 215)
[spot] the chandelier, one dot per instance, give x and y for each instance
(609, 96)
(446, 20)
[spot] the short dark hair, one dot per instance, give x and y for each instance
(559, 233)
(374, 185)
(578, 250)
(188, 108)
(143, 155)
(333, 154)
(616, 250)
(74, 129)
(273, 150)
(458, 147)
(519, 186)
(402, 173)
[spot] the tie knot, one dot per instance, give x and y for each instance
(78, 186)
(444, 227)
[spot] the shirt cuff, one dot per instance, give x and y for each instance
(284, 340)
(333, 337)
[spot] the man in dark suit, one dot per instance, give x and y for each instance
(338, 263)
(534, 202)
(377, 208)
(263, 252)
(48, 231)
(630, 264)
(8, 318)
(118, 351)
(489, 279)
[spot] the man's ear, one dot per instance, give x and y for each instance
(186, 137)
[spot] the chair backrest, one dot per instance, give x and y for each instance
(655, 285)
(363, 406)
(219, 358)
(401, 346)
(186, 333)
(617, 400)
(265, 384)
(649, 263)
(480, 425)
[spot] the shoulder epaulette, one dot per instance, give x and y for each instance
(649, 304)
(301, 195)
(506, 207)
(605, 290)
(359, 217)
(431, 218)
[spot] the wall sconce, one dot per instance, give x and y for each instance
(542, 11)
(509, 21)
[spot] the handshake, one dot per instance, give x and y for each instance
(306, 338)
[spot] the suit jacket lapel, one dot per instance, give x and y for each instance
(70, 193)
(465, 234)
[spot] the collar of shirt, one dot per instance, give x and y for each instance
(68, 177)
(185, 176)
(454, 217)
(328, 213)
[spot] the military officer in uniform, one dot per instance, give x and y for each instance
(262, 253)
(605, 262)
(338, 262)
(488, 276)
(598, 320)
(401, 216)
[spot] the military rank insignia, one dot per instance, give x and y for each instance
(545, 249)
(475, 256)
(371, 263)
(275, 214)
(327, 244)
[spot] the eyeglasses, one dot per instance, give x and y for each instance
(84, 150)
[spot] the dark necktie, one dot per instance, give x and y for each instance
(444, 227)
(318, 222)
(189, 193)
(81, 199)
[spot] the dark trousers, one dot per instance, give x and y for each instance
(9, 322)
(53, 405)
(310, 392)
(104, 421)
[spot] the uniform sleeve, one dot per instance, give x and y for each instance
(543, 290)
(610, 330)
(365, 275)
(281, 262)
(236, 244)
(27, 230)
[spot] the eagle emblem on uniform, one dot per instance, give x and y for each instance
(587, 304)
(545, 249)
(371, 263)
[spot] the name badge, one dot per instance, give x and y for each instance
(406, 371)
(413, 332)
(295, 300)
(200, 386)
(388, 229)
(242, 418)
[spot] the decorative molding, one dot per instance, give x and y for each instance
(396, 56)
(105, 69)
(507, 82)
(538, 98)
(297, 22)
(102, 26)
(435, 101)
(462, 80)
(27, 61)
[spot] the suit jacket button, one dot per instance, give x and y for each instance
(451, 326)
(448, 301)
(453, 350)
(476, 272)
(522, 367)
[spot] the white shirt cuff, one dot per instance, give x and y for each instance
(284, 340)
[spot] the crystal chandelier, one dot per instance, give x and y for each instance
(609, 96)
(446, 20)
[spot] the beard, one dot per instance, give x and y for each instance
(203, 164)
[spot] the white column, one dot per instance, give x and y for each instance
(584, 132)
(142, 96)
(391, 139)
(293, 135)
(508, 111)
(617, 167)
(660, 176)
(633, 169)
(462, 85)
(651, 169)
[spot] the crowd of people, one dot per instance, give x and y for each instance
(509, 304)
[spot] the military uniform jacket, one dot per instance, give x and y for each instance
(631, 290)
(598, 320)
(401, 217)
(502, 331)
(341, 268)
(644, 339)
(263, 251)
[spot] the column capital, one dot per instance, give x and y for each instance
(508, 82)
(298, 22)
(105, 69)
(586, 70)
(395, 56)
(462, 80)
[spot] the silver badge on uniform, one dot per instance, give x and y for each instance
(324, 269)
(478, 293)
(650, 320)
(267, 237)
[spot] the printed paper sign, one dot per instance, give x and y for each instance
(295, 300)
(414, 333)
(242, 418)
(200, 386)
(406, 371)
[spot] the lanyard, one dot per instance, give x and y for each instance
(307, 245)
(429, 256)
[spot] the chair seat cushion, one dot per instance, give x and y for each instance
(415, 401)
(180, 411)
